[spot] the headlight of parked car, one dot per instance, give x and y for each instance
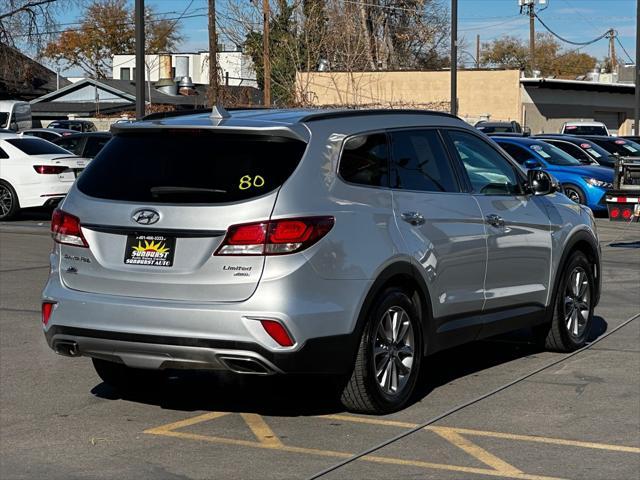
(598, 183)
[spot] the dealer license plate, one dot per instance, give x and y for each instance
(150, 250)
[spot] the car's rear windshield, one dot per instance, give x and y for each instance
(618, 146)
(36, 146)
(585, 130)
(190, 167)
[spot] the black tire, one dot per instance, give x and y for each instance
(574, 193)
(9, 204)
(124, 378)
(363, 392)
(560, 335)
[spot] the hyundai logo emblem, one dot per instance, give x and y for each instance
(146, 217)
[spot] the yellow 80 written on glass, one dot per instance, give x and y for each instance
(247, 181)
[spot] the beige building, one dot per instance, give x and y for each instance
(542, 104)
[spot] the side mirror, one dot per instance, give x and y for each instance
(541, 183)
(531, 164)
(526, 131)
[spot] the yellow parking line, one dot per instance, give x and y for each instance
(549, 440)
(261, 430)
(476, 451)
(483, 433)
(334, 454)
(185, 423)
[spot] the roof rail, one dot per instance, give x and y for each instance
(371, 111)
(194, 111)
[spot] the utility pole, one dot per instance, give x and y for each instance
(139, 23)
(213, 55)
(532, 37)
(636, 122)
(612, 50)
(478, 52)
(454, 57)
(266, 59)
(529, 7)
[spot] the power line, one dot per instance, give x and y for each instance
(624, 49)
(583, 44)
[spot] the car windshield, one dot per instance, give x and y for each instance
(553, 155)
(4, 119)
(36, 146)
(618, 146)
(585, 130)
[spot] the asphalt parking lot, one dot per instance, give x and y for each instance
(578, 419)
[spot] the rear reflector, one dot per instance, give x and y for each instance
(65, 229)
(275, 237)
(49, 169)
(47, 308)
(277, 332)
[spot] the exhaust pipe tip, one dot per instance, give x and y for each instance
(66, 348)
(246, 366)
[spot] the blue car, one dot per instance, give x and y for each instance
(585, 184)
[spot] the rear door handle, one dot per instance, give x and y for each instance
(414, 218)
(495, 220)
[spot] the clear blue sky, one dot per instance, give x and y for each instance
(576, 20)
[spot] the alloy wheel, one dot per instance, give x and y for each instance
(573, 194)
(577, 306)
(6, 200)
(393, 350)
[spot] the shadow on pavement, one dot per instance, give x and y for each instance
(291, 396)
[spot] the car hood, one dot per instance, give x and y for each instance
(591, 171)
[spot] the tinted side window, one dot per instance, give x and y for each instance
(519, 154)
(365, 160)
(574, 151)
(489, 172)
(94, 145)
(420, 162)
(73, 144)
(3, 154)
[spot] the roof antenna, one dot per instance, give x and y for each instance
(218, 112)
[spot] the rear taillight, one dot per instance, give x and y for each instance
(65, 229)
(275, 237)
(49, 169)
(627, 213)
(47, 308)
(615, 212)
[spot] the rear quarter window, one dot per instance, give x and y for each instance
(183, 167)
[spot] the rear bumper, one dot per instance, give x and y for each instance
(325, 355)
(148, 333)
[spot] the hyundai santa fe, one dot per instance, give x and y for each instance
(350, 243)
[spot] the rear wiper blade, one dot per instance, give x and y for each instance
(170, 190)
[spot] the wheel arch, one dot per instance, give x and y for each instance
(402, 274)
(584, 242)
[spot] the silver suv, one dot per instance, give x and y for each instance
(354, 243)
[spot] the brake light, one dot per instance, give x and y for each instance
(277, 332)
(275, 237)
(47, 308)
(627, 213)
(615, 212)
(65, 229)
(49, 169)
